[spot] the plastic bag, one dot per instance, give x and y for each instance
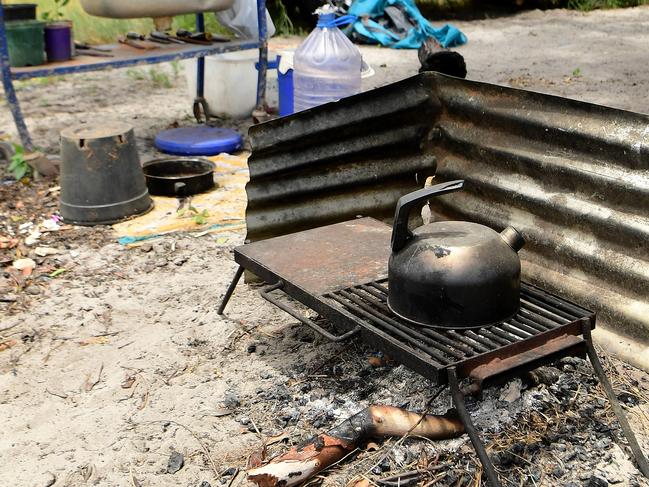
(241, 19)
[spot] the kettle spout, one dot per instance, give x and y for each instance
(513, 238)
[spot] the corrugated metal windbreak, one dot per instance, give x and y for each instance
(572, 177)
(354, 157)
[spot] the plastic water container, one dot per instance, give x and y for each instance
(327, 66)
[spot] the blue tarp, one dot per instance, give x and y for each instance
(365, 25)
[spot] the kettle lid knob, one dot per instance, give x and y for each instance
(513, 238)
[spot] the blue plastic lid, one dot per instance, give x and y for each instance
(198, 141)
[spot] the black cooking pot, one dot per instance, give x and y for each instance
(452, 274)
(179, 176)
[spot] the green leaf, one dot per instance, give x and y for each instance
(57, 272)
(20, 172)
(199, 220)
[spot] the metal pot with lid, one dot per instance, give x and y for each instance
(452, 274)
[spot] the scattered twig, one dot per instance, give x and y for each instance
(62, 396)
(206, 451)
(53, 349)
(126, 345)
(108, 334)
(89, 386)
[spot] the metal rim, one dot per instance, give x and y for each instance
(208, 166)
(448, 327)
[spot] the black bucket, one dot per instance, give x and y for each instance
(101, 178)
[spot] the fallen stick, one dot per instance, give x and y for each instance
(306, 460)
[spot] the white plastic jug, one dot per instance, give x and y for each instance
(327, 66)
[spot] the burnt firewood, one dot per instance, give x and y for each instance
(306, 460)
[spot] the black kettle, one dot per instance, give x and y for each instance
(452, 274)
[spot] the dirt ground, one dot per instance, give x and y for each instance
(113, 358)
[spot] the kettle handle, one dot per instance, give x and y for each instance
(400, 232)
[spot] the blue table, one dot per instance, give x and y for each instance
(126, 56)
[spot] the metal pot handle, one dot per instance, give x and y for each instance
(400, 232)
(180, 189)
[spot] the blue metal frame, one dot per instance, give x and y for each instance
(10, 92)
(191, 51)
(200, 62)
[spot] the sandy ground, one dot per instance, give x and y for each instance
(120, 361)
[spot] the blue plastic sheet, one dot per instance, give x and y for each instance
(368, 10)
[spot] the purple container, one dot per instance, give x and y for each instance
(58, 42)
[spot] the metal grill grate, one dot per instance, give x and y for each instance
(540, 312)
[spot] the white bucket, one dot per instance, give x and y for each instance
(231, 83)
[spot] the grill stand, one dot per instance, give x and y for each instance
(231, 288)
(454, 384)
(641, 460)
(474, 436)
(338, 271)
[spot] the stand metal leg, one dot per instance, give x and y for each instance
(201, 108)
(231, 288)
(263, 54)
(10, 92)
(641, 460)
(458, 401)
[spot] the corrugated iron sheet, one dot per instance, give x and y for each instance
(572, 177)
(354, 157)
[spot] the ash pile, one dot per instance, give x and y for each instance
(553, 427)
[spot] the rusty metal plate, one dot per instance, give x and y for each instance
(323, 259)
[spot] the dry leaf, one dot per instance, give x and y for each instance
(371, 446)
(276, 439)
(8, 243)
(256, 458)
(25, 266)
(220, 412)
(128, 382)
(94, 341)
(7, 344)
(45, 251)
(90, 384)
(144, 400)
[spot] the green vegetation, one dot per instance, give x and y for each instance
(18, 165)
(176, 68)
(57, 11)
(96, 30)
(576, 72)
(158, 78)
(199, 217)
(50, 80)
(283, 23)
(595, 4)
